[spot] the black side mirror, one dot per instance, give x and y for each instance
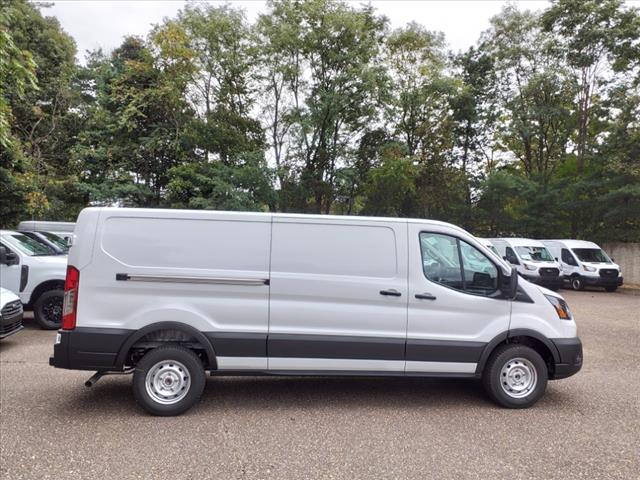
(613, 259)
(8, 258)
(556, 259)
(510, 283)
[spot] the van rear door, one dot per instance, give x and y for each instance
(455, 307)
(338, 295)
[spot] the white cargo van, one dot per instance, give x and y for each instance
(169, 294)
(532, 260)
(585, 263)
(28, 268)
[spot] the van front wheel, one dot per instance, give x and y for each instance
(168, 380)
(515, 376)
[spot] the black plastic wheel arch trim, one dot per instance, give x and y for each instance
(189, 330)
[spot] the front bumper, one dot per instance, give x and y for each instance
(545, 281)
(602, 281)
(10, 325)
(570, 350)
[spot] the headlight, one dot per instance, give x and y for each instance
(529, 267)
(588, 269)
(562, 309)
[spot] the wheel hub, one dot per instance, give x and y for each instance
(168, 382)
(518, 377)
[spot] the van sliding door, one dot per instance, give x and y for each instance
(338, 299)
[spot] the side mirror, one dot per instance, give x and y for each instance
(556, 259)
(8, 258)
(509, 283)
(613, 259)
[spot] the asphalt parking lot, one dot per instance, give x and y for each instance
(587, 426)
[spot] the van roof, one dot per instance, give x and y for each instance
(44, 225)
(520, 242)
(569, 243)
(115, 211)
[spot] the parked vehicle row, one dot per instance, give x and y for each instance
(557, 263)
(171, 294)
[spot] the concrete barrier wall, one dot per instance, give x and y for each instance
(627, 255)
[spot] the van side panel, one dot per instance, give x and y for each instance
(189, 267)
(326, 300)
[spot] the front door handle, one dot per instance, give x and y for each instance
(425, 296)
(390, 293)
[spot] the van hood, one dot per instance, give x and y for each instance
(546, 291)
(602, 265)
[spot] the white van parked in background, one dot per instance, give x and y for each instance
(585, 263)
(532, 260)
(28, 268)
(487, 243)
(169, 294)
(62, 229)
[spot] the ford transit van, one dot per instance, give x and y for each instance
(171, 294)
(585, 263)
(532, 260)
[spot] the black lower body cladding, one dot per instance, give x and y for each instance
(602, 281)
(570, 350)
(87, 348)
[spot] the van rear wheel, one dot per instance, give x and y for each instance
(515, 376)
(168, 380)
(47, 310)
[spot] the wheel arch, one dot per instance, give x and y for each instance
(44, 287)
(535, 340)
(160, 326)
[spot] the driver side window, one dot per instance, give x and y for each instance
(456, 264)
(568, 258)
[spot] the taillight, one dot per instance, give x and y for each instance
(70, 304)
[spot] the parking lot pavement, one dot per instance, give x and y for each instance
(294, 428)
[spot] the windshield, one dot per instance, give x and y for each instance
(57, 240)
(534, 254)
(594, 255)
(29, 246)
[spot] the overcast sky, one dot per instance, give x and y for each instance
(98, 23)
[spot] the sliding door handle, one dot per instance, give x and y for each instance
(425, 296)
(390, 293)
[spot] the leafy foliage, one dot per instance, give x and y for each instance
(319, 107)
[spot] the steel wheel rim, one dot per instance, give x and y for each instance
(168, 382)
(518, 377)
(53, 310)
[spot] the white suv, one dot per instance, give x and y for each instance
(37, 277)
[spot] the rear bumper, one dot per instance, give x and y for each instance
(88, 348)
(570, 350)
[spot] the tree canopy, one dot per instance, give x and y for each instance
(320, 106)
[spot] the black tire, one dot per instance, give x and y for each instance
(612, 288)
(189, 365)
(493, 380)
(576, 283)
(47, 310)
